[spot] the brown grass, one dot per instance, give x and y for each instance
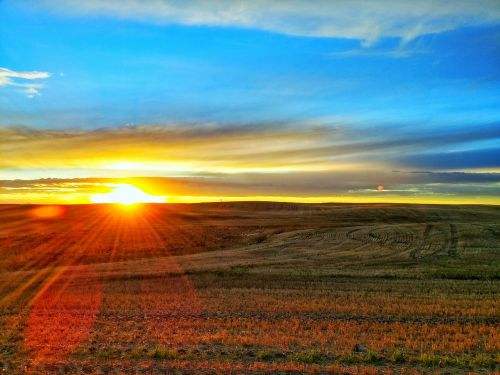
(250, 288)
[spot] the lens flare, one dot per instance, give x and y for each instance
(47, 212)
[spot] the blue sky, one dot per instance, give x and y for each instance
(417, 85)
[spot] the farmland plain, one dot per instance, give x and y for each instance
(250, 288)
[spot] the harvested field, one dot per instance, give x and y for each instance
(250, 288)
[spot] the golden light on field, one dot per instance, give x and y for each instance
(126, 194)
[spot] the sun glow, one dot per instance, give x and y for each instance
(127, 195)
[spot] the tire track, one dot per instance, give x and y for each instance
(453, 247)
(416, 253)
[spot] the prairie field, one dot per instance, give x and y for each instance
(250, 288)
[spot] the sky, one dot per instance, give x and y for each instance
(294, 100)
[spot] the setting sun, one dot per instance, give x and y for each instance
(126, 194)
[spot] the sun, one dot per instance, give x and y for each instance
(126, 194)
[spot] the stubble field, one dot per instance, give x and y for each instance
(250, 288)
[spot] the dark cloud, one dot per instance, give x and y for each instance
(484, 158)
(454, 177)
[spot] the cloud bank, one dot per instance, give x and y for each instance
(273, 147)
(271, 160)
(306, 187)
(249, 148)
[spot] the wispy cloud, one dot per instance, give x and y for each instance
(364, 20)
(237, 149)
(400, 52)
(27, 82)
(181, 147)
